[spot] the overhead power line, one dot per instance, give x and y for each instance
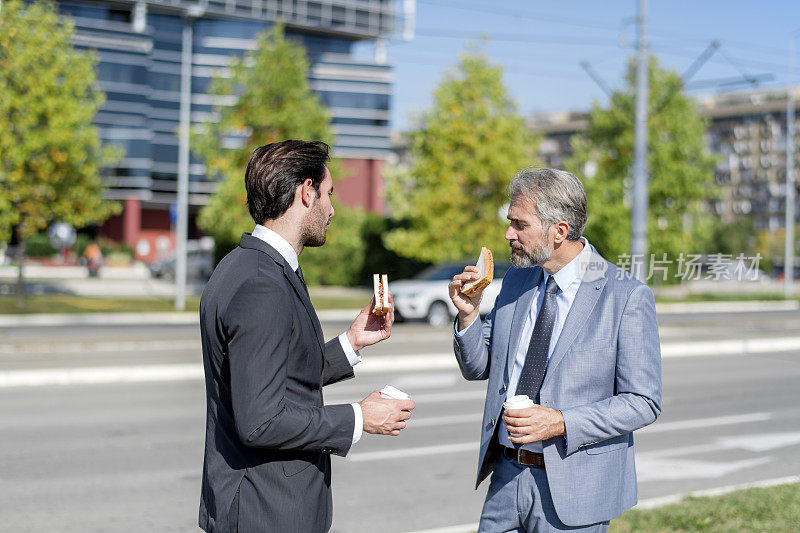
(517, 14)
(515, 37)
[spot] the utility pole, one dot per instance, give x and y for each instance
(185, 115)
(640, 177)
(788, 256)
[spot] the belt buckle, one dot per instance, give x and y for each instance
(519, 456)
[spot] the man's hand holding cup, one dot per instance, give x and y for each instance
(384, 415)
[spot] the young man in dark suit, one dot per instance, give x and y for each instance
(269, 435)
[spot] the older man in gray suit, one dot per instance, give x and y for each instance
(579, 337)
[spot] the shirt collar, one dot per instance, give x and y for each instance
(573, 270)
(279, 243)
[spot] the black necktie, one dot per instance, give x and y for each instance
(530, 380)
(299, 273)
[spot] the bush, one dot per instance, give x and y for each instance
(340, 261)
(38, 245)
(354, 252)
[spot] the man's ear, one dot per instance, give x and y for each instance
(562, 230)
(307, 192)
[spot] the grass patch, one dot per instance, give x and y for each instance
(331, 302)
(772, 509)
(64, 303)
(725, 297)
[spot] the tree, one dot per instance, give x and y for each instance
(50, 153)
(274, 103)
(681, 172)
(469, 145)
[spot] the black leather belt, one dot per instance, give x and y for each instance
(525, 457)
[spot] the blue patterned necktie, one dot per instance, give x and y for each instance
(530, 380)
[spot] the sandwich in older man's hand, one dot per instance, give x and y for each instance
(485, 266)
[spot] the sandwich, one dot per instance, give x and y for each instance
(381, 283)
(485, 266)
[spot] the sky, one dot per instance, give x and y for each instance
(541, 46)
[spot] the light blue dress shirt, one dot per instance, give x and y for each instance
(568, 279)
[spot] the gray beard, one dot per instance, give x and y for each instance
(541, 254)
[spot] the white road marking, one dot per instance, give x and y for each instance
(64, 348)
(729, 347)
(413, 452)
(762, 442)
(403, 362)
(704, 422)
(429, 380)
(382, 364)
(650, 468)
(444, 420)
(407, 363)
(759, 442)
(103, 374)
(463, 528)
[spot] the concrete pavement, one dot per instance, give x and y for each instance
(125, 455)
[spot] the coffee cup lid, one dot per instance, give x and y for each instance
(393, 393)
(518, 398)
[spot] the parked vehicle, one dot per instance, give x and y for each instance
(199, 266)
(426, 296)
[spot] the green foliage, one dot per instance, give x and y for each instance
(469, 145)
(274, 103)
(339, 261)
(735, 237)
(772, 247)
(681, 172)
(38, 245)
(354, 251)
(50, 154)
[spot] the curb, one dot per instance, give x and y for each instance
(341, 315)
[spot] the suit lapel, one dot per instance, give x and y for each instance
(530, 289)
(588, 294)
(248, 241)
(298, 287)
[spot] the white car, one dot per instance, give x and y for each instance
(426, 296)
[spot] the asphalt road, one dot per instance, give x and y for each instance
(113, 457)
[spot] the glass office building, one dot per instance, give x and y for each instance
(139, 45)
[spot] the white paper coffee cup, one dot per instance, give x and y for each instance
(393, 393)
(520, 401)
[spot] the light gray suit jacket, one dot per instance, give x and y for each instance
(604, 376)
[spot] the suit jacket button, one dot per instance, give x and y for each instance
(492, 421)
(504, 387)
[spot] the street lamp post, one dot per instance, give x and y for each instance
(182, 223)
(640, 178)
(788, 262)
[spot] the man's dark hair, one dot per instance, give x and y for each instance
(276, 169)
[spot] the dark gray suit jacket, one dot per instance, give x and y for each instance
(268, 435)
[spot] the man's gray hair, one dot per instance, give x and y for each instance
(558, 196)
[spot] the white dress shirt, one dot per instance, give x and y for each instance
(287, 252)
(568, 279)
